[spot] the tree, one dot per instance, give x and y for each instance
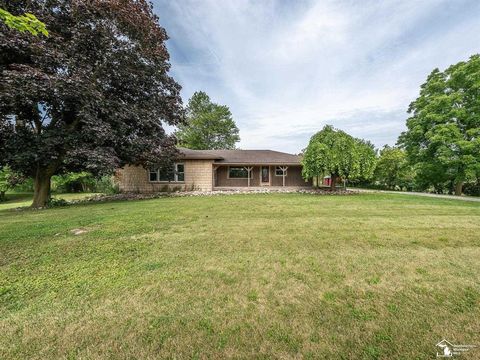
(8, 180)
(208, 125)
(366, 156)
(432, 175)
(90, 97)
(335, 153)
(392, 169)
(5, 185)
(27, 22)
(443, 132)
(74, 182)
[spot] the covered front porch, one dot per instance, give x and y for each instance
(258, 176)
(261, 188)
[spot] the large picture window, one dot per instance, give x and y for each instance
(238, 173)
(176, 173)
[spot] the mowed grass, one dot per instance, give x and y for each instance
(20, 200)
(371, 276)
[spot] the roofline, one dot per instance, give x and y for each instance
(223, 157)
(199, 157)
(258, 164)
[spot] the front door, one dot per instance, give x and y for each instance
(265, 175)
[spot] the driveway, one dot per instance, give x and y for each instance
(439, 196)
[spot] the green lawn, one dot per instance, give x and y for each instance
(17, 200)
(371, 276)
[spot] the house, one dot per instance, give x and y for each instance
(208, 170)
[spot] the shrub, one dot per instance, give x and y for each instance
(25, 186)
(53, 202)
(106, 185)
(8, 180)
(83, 182)
(472, 189)
(73, 182)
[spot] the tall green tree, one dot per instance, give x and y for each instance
(443, 131)
(209, 126)
(393, 169)
(367, 160)
(92, 96)
(333, 152)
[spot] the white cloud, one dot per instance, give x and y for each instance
(286, 68)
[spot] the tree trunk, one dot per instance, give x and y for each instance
(333, 181)
(458, 188)
(2, 196)
(41, 189)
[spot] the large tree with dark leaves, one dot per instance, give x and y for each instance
(92, 96)
(443, 132)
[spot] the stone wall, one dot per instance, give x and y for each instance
(198, 176)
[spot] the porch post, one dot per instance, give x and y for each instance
(215, 167)
(284, 172)
(249, 169)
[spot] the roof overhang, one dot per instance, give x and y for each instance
(199, 157)
(257, 164)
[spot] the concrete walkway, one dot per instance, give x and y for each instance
(438, 196)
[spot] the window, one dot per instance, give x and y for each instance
(238, 173)
(153, 175)
(279, 171)
(177, 173)
(166, 174)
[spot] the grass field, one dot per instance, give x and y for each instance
(245, 276)
(19, 200)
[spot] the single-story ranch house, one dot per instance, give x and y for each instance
(208, 170)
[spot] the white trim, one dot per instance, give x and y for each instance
(280, 168)
(175, 175)
(150, 172)
(167, 182)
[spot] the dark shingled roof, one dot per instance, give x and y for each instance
(254, 157)
(189, 154)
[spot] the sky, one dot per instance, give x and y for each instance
(286, 68)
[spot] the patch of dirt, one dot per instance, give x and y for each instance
(78, 231)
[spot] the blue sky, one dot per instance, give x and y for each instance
(286, 68)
